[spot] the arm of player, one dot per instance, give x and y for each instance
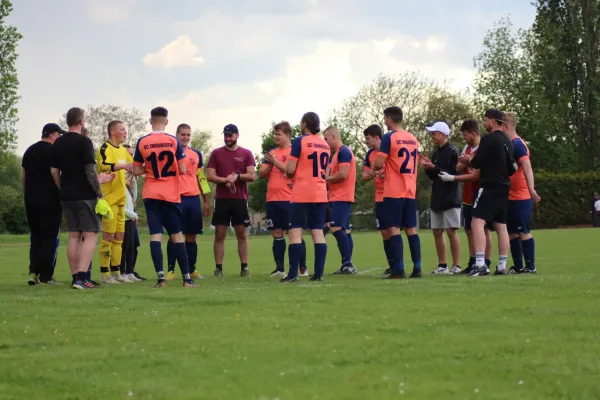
(290, 168)
(384, 152)
(23, 178)
(460, 167)
(473, 176)
(264, 170)
(211, 176)
(367, 174)
(55, 172)
(92, 178)
(292, 164)
(250, 174)
(525, 163)
(339, 176)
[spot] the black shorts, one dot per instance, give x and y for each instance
(491, 204)
(231, 212)
(81, 216)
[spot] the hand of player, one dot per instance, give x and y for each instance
(427, 164)
(206, 209)
(380, 173)
(465, 159)
(231, 178)
(270, 158)
(536, 197)
(106, 177)
(128, 168)
(446, 177)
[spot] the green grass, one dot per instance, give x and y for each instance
(359, 337)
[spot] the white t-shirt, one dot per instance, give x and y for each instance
(597, 205)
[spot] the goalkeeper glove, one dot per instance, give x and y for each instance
(446, 177)
(202, 181)
(103, 209)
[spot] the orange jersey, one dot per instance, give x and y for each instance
(369, 161)
(343, 190)
(159, 153)
(518, 184)
(279, 188)
(401, 150)
(469, 188)
(312, 154)
(188, 183)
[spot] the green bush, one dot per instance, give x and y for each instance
(566, 199)
(12, 211)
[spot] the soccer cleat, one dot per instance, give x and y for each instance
(189, 283)
(503, 271)
(339, 271)
(479, 271)
(89, 284)
(315, 278)
(467, 270)
(349, 270)
(170, 276)
(79, 285)
(139, 277)
(132, 278)
(303, 271)
(512, 271)
(287, 279)
(34, 280)
(441, 270)
(196, 275)
(396, 275)
(109, 280)
(53, 282)
(96, 284)
(416, 274)
(388, 271)
(244, 272)
(455, 269)
(160, 284)
(530, 271)
(218, 273)
(278, 273)
(121, 278)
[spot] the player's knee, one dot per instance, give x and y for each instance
(108, 237)
(334, 229)
(438, 232)
(278, 233)
(119, 236)
(190, 238)
(451, 232)
(240, 234)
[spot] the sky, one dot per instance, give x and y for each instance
(232, 61)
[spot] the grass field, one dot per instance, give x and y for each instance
(350, 337)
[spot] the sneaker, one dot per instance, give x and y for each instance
(121, 278)
(79, 285)
(339, 271)
(109, 280)
(512, 270)
(287, 279)
(349, 270)
(479, 271)
(244, 272)
(52, 282)
(189, 283)
(388, 271)
(315, 278)
(96, 284)
(441, 270)
(396, 275)
(467, 270)
(133, 278)
(139, 277)
(89, 285)
(33, 280)
(160, 284)
(278, 273)
(503, 271)
(530, 271)
(303, 271)
(416, 274)
(170, 275)
(196, 275)
(218, 273)
(455, 269)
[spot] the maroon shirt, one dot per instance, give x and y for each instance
(226, 162)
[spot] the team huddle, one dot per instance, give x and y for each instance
(311, 185)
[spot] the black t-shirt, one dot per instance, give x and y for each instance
(40, 190)
(492, 159)
(70, 154)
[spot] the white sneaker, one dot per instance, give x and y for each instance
(109, 280)
(455, 270)
(441, 270)
(132, 278)
(121, 278)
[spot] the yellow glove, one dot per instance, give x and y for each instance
(202, 181)
(103, 209)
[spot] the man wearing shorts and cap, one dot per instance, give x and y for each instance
(231, 167)
(445, 197)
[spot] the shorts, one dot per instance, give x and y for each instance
(468, 217)
(307, 215)
(231, 212)
(340, 214)
(81, 215)
(447, 219)
(117, 223)
(327, 214)
(380, 216)
(191, 210)
(519, 216)
(491, 204)
(400, 212)
(278, 215)
(163, 214)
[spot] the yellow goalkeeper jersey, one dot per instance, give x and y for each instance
(107, 157)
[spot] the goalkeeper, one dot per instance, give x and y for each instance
(191, 185)
(113, 157)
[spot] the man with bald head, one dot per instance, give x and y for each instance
(342, 182)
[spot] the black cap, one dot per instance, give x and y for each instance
(495, 114)
(230, 129)
(51, 128)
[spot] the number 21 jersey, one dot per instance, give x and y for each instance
(159, 152)
(312, 154)
(401, 150)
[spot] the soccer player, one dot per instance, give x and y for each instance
(190, 204)
(231, 167)
(398, 154)
(307, 164)
(74, 172)
(521, 196)
(471, 135)
(445, 197)
(342, 183)
(160, 156)
(279, 193)
(494, 159)
(113, 157)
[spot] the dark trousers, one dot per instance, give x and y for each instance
(44, 225)
(129, 248)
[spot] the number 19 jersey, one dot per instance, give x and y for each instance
(159, 153)
(312, 154)
(401, 150)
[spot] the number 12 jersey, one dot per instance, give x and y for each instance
(401, 150)
(312, 154)
(159, 152)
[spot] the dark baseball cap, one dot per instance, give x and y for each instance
(230, 129)
(51, 128)
(495, 114)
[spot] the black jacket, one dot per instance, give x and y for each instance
(444, 195)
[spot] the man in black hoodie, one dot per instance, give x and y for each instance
(445, 197)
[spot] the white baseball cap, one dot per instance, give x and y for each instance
(439, 127)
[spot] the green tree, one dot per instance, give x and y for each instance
(9, 83)
(202, 141)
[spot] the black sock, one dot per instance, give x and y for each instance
(220, 267)
(244, 266)
(81, 276)
(74, 277)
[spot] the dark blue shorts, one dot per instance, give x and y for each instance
(340, 214)
(191, 209)
(380, 216)
(400, 213)
(307, 215)
(519, 216)
(278, 215)
(163, 214)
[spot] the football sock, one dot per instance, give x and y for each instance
(529, 253)
(105, 271)
(488, 262)
(350, 245)
(397, 249)
(502, 262)
(414, 243)
(171, 256)
(157, 258)
(105, 257)
(88, 276)
(516, 250)
(480, 260)
(220, 267)
(388, 253)
(182, 259)
(443, 265)
(302, 254)
(192, 252)
(279, 246)
(294, 259)
(116, 252)
(244, 266)
(80, 276)
(320, 256)
(471, 261)
(325, 230)
(342, 242)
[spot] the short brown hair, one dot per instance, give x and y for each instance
(182, 126)
(471, 126)
(283, 126)
(75, 116)
(112, 124)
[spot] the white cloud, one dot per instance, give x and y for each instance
(181, 52)
(109, 10)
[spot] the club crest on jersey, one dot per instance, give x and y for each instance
(238, 159)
